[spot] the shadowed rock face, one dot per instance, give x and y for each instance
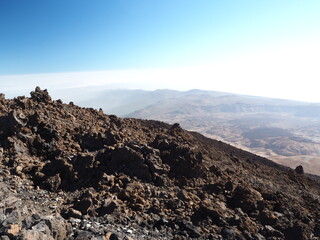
(74, 173)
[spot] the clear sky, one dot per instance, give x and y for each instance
(258, 47)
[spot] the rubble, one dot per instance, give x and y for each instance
(75, 173)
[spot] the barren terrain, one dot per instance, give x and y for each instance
(284, 131)
(76, 173)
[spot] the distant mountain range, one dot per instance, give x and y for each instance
(282, 130)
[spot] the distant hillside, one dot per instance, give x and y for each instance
(121, 102)
(285, 131)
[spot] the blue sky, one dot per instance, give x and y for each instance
(72, 36)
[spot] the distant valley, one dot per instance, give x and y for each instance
(284, 131)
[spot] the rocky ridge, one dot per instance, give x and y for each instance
(75, 173)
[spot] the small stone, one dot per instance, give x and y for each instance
(52, 183)
(39, 175)
(83, 205)
(247, 234)
(13, 218)
(278, 215)
(270, 231)
(29, 221)
(175, 125)
(268, 218)
(183, 195)
(36, 216)
(228, 234)
(228, 186)
(2, 218)
(235, 220)
(108, 207)
(13, 230)
(74, 213)
(18, 169)
(193, 231)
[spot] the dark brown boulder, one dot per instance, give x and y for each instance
(40, 95)
(299, 170)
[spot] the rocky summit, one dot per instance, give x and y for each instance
(75, 173)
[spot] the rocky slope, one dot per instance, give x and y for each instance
(281, 130)
(74, 173)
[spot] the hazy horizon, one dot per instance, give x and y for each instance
(79, 94)
(56, 83)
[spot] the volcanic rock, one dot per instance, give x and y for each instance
(299, 170)
(68, 172)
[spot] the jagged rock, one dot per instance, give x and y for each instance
(17, 120)
(299, 170)
(83, 205)
(245, 198)
(73, 213)
(268, 218)
(30, 221)
(39, 231)
(52, 183)
(11, 230)
(131, 162)
(231, 233)
(59, 228)
(193, 231)
(228, 186)
(12, 219)
(40, 95)
(109, 206)
(183, 195)
(271, 232)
